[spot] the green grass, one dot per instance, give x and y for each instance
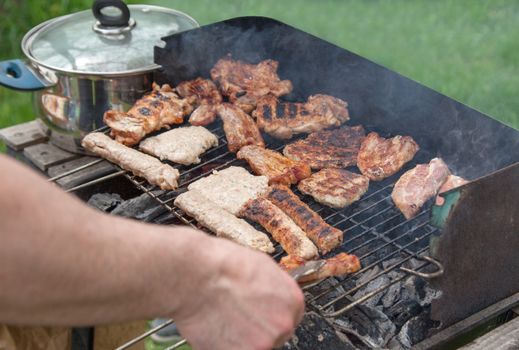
(466, 49)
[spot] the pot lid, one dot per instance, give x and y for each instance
(119, 41)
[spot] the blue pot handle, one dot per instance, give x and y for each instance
(16, 75)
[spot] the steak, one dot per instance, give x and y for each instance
(274, 165)
(335, 188)
(380, 158)
(418, 185)
(285, 119)
(336, 148)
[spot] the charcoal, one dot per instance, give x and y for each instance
(143, 207)
(332, 288)
(415, 330)
(418, 289)
(403, 310)
(370, 287)
(315, 333)
(366, 276)
(105, 201)
(395, 344)
(371, 324)
(391, 262)
(392, 295)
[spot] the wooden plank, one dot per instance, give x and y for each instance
(22, 135)
(109, 337)
(44, 155)
(505, 337)
(82, 176)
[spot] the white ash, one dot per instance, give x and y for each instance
(372, 325)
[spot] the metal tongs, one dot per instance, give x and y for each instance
(299, 272)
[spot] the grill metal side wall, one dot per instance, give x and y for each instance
(471, 143)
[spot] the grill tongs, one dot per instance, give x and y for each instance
(307, 269)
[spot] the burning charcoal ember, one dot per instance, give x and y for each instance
(315, 333)
(416, 329)
(371, 324)
(105, 201)
(143, 207)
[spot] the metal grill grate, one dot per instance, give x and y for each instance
(374, 229)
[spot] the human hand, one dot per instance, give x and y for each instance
(249, 303)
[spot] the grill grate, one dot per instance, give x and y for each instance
(374, 229)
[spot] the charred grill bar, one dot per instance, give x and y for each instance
(391, 248)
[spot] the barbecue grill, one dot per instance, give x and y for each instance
(466, 248)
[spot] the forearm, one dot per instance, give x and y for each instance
(64, 263)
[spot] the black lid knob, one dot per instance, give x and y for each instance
(120, 20)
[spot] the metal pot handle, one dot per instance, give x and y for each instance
(121, 20)
(15, 74)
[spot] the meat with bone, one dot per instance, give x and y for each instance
(244, 83)
(280, 226)
(138, 163)
(221, 222)
(274, 165)
(337, 148)
(335, 188)
(231, 188)
(336, 266)
(380, 158)
(240, 130)
(452, 181)
(180, 145)
(418, 185)
(324, 236)
(206, 98)
(285, 119)
(160, 108)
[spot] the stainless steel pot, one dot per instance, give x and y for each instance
(81, 65)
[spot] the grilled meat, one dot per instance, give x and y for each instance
(155, 110)
(221, 222)
(244, 83)
(380, 158)
(280, 226)
(323, 235)
(138, 163)
(203, 115)
(231, 188)
(452, 181)
(284, 119)
(239, 128)
(180, 145)
(273, 165)
(336, 266)
(418, 185)
(335, 188)
(337, 148)
(206, 96)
